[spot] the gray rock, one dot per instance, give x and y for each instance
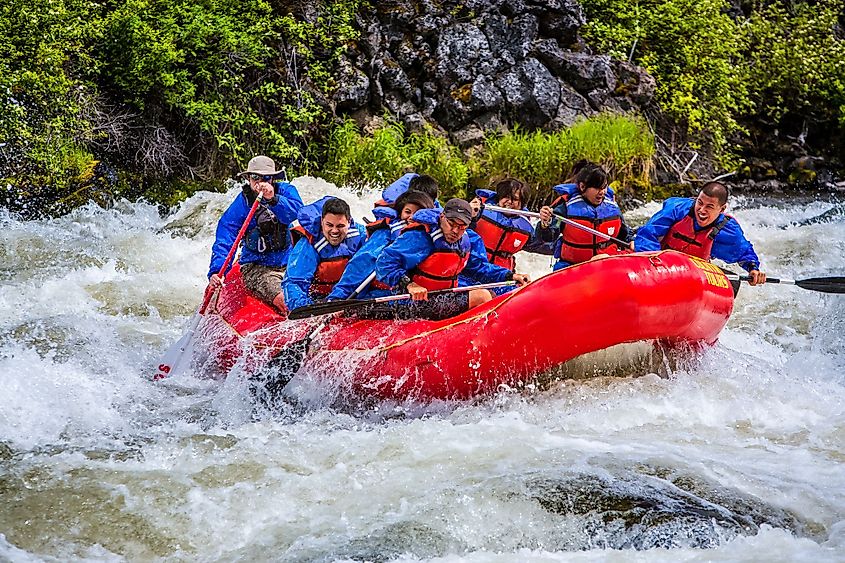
(521, 34)
(451, 113)
(469, 136)
(393, 78)
(531, 93)
(462, 50)
(414, 123)
(634, 82)
(572, 107)
(489, 121)
(513, 8)
(601, 100)
(399, 105)
(496, 30)
(485, 95)
(354, 90)
(559, 19)
(584, 72)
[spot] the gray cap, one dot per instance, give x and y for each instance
(263, 165)
(459, 210)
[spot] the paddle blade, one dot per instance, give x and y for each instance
(825, 285)
(326, 308)
(174, 356)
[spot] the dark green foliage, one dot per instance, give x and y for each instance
(796, 61)
(714, 71)
(692, 48)
(163, 89)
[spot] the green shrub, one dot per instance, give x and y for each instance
(44, 61)
(357, 160)
(623, 145)
(796, 64)
(694, 50)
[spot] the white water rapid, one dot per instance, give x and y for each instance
(740, 457)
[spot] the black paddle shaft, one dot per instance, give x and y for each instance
(824, 285)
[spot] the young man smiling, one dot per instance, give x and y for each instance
(699, 227)
(325, 238)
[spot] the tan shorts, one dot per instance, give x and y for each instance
(264, 281)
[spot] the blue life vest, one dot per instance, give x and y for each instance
(332, 259)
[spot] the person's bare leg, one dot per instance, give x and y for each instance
(479, 297)
(279, 302)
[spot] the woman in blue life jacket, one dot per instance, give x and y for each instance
(324, 238)
(382, 232)
(408, 182)
(430, 253)
(701, 228)
(588, 205)
(265, 248)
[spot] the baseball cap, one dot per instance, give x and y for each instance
(459, 210)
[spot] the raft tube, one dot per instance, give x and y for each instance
(667, 296)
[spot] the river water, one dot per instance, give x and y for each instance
(737, 456)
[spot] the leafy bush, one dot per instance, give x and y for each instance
(692, 47)
(796, 62)
(357, 160)
(167, 88)
(44, 58)
(713, 72)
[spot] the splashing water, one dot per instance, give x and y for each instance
(741, 452)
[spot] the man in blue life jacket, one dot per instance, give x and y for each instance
(588, 206)
(382, 232)
(324, 239)
(699, 227)
(265, 246)
(430, 254)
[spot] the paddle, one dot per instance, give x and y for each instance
(575, 224)
(171, 359)
(824, 285)
(363, 286)
(329, 307)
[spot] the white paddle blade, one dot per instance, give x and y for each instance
(175, 354)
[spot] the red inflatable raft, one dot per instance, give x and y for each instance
(513, 338)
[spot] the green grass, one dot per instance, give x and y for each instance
(623, 145)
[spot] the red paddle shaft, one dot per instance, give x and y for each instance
(222, 272)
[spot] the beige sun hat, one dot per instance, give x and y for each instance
(261, 164)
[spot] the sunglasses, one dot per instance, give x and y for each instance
(457, 225)
(258, 177)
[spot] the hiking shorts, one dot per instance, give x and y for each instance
(265, 282)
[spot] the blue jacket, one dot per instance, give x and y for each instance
(392, 192)
(730, 244)
(312, 249)
(233, 218)
(414, 246)
(364, 263)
